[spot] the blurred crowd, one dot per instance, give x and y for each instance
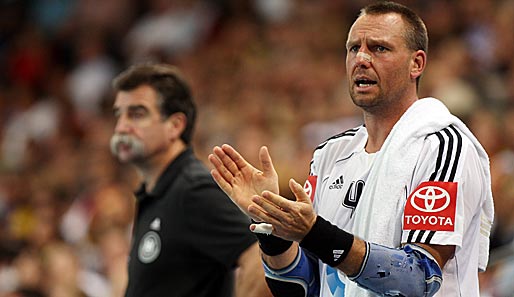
(263, 72)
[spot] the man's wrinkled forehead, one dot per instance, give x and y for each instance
(377, 26)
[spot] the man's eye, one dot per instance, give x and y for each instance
(354, 49)
(137, 115)
(380, 48)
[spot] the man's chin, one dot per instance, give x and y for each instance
(364, 100)
(124, 157)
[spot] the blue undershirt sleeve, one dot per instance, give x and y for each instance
(299, 279)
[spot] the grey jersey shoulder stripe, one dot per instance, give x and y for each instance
(452, 143)
(349, 132)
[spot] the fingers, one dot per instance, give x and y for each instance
(272, 201)
(299, 192)
(222, 182)
(272, 204)
(220, 168)
(259, 215)
(226, 161)
(283, 221)
(277, 201)
(263, 228)
(234, 158)
(266, 163)
(278, 207)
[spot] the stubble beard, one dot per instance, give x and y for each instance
(366, 102)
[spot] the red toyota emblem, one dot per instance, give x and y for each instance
(310, 186)
(430, 199)
(431, 207)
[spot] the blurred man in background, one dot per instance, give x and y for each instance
(188, 237)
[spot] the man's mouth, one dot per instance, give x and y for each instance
(123, 146)
(120, 143)
(365, 83)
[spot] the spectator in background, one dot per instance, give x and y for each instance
(170, 29)
(89, 81)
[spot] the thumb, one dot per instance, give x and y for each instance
(299, 192)
(266, 163)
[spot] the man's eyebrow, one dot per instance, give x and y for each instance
(369, 40)
(137, 107)
(351, 42)
(130, 108)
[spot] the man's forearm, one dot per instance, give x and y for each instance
(282, 260)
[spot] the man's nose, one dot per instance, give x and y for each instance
(122, 124)
(364, 57)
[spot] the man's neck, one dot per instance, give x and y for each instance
(378, 130)
(379, 125)
(153, 168)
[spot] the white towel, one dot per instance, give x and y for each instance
(382, 200)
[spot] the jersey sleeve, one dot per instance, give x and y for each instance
(446, 190)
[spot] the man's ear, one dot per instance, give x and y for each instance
(418, 64)
(176, 124)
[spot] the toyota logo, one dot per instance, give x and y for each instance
(430, 199)
(308, 188)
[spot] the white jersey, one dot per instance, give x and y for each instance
(447, 184)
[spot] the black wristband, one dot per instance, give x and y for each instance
(272, 245)
(326, 241)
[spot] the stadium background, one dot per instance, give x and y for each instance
(262, 71)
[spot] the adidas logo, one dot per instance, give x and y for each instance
(337, 184)
(337, 254)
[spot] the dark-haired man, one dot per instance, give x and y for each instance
(188, 238)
